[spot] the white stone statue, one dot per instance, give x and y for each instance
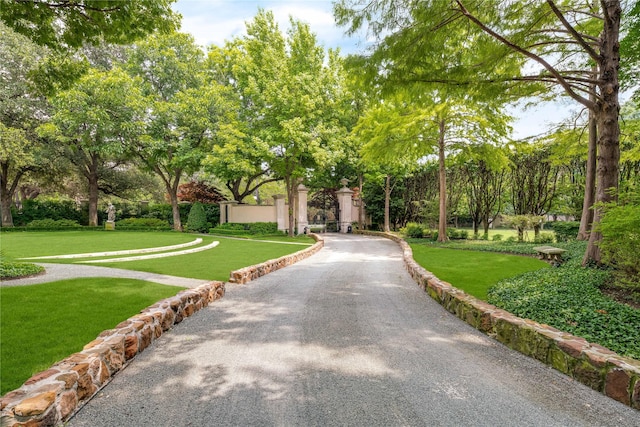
(111, 213)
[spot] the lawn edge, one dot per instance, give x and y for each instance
(605, 371)
(51, 397)
(246, 274)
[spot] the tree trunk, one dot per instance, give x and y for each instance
(172, 188)
(6, 194)
(5, 206)
(92, 178)
(290, 184)
(387, 203)
(608, 127)
(590, 179)
(361, 212)
(442, 220)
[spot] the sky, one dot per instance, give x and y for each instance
(214, 21)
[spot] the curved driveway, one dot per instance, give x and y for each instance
(342, 338)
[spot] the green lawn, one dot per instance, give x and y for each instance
(472, 271)
(216, 263)
(212, 264)
(42, 324)
(33, 244)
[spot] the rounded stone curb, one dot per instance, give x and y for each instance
(603, 370)
(247, 274)
(51, 397)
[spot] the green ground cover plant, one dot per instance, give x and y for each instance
(472, 271)
(12, 269)
(42, 324)
(570, 298)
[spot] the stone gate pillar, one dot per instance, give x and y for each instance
(344, 200)
(303, 222)
(281, 212)
(225, 211)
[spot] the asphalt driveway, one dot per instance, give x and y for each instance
(344, 338)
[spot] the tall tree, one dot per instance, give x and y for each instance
(290, 87)
(21, 111)
(533, 181)
(240, 159)
(184, 110)
(559, 41)
(70, 24)
(421, 123)
(94, 122)
(485, 167)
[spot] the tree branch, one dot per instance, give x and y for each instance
(565, 85)
(592, 53)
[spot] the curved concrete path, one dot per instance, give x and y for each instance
(342, 338)
(55, 272)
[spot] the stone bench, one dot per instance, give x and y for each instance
(550, 253)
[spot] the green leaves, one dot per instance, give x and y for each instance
(71, 24)
(101, 113)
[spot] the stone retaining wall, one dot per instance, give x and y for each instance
(598, 367)
(247, 274)
(49, 398)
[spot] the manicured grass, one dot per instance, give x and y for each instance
(472, 271)
(32, 244)
(42, 324)
(212, 264)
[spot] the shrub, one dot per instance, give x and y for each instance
(163, 211)
(49, 209)
(231, 226)
(197, 220)
(544, 238)
(143, 224)
(413, 230)
(620, 245)
(54, 224)
(565, 231)
(497, 237)
(263, 228)
(253, 228)
(454, 234)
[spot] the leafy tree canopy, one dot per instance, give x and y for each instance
(70, 24)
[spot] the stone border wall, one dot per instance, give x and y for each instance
(49, 398)
(598, 367)
(247, 274)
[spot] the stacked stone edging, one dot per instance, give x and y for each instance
(593, 365)
(247, 274)
(49, 398)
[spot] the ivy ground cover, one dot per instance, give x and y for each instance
(567, 297)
